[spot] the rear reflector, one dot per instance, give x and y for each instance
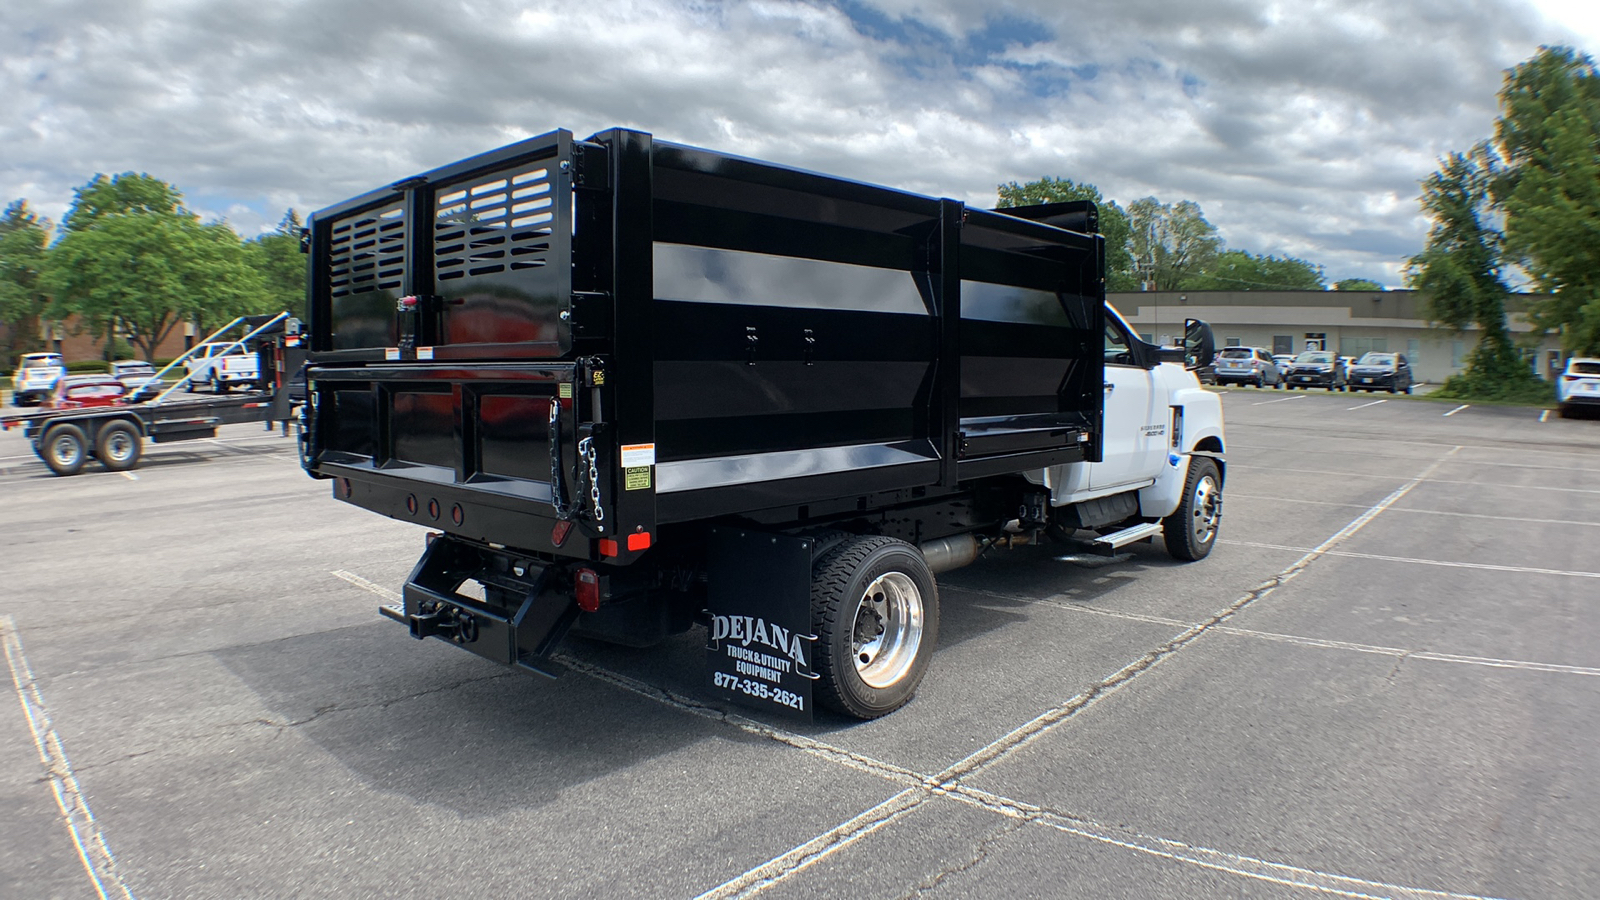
(639, 541)
(587, 585)
(558, 534)
(608, 547)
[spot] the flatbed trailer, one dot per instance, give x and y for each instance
(67, 439)
(630, 386)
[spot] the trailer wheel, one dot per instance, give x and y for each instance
(1191, 531)
(118, 446)
(64, 449)
(875, 611)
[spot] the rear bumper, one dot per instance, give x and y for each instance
(1312, 379)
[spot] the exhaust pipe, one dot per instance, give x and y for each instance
(950, 553)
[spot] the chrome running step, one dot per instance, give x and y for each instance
(1144, 531)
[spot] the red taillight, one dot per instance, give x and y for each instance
(457, 514)
(608, 547)
(344, 488)
(587, 586)
(408, 303)
(639, 540)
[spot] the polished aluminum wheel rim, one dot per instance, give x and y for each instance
(887, 629)
(1207, 507)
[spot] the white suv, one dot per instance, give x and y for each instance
(36, 377)
(1579, 385)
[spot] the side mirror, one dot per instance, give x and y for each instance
(1199, 345)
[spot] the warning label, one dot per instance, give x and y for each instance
(636, 479)
(638, 455)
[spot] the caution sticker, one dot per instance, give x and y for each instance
(565, 390)
(636, 479)
(638, 455)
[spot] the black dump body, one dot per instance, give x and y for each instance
(633, 336)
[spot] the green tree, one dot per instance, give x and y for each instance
(23, 238)
(1236, 270)
(130, 192)
(135, 259)
(1357, 284)
(1459, 273)
(276, 255)
(1548, 189)
(1171, 243)
(1120, 275)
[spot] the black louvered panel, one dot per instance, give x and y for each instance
(497, 237)
(366, 262)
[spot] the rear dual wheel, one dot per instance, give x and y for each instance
(875, 611)
(64, 449)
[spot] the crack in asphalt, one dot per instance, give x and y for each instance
(979, 853)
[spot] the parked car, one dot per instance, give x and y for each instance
(1247, 365)
(1578, 386)
(1317, 368)
(139, 376)
(1282, 360)
(86, 391)
(1382, 371)
(36, 377)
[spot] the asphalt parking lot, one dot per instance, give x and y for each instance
(1385, 682)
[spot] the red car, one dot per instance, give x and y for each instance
(87, 391)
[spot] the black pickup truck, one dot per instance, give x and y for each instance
(630, 386)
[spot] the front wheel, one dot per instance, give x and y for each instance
(1191, 531)
(875, 611)
(64, 449)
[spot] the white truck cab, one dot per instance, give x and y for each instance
(1161, 467)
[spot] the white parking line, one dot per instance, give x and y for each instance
(1281, 399)
(1459, 409)
(1523, 570)
(91, 845)
(1420, 512)
(1373, 403)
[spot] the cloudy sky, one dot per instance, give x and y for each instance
(1301, 128)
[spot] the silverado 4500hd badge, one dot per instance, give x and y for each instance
(759, 635)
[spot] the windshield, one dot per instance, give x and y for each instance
(1314, 356)
(1377, 359)
(1235, 353)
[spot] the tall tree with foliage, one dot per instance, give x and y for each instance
(23, 238)
(1236, 270)
(1357, 284)
(1459, 273)
(1120, 275)
(133, 258)
(1171, 242)
(276, 255)
(1548, 188)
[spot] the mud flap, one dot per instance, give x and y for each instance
(759, 613)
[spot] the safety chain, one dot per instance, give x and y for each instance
(591, 475)
(558, 491)
(586, 451)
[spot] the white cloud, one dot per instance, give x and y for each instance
(1300, 128)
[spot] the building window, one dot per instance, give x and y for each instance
(1360, 346)
(1283, 343)
(1458, 350)
(1231, 342)
(1316, 340)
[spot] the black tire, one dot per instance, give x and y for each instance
(118, 446)
(871, 678)
(64, 449)
(1191, 531)
(1564, 411)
